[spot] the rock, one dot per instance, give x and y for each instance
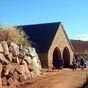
(10, 56)
(1, 48)
(13, 79)
(18, 63)
(5, 47)
(16, 76)
(3, 60)
(11, 68)
(5, 71)
(24, 70)
(30, 67)
(32, 75)
(15, 59)
(4, 81)
(0, 69)
(28, 59)
(0, 82)
(21, 78)
(14, 49)
(14, 67)
(10, 81)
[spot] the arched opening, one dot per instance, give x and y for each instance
(66, 57)
(56, 57)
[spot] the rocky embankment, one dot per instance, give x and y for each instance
(17, 63)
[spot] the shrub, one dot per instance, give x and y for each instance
(14, 34)
(2, 34)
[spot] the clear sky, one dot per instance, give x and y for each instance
(72, 13)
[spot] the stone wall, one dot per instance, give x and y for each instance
(61, 41)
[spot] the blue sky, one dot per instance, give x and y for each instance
(72, 13)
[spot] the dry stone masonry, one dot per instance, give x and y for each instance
(17, 63)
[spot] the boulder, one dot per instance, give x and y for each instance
(15, 59)
(1, 48)
(24, 70)
(0, 69)
(10, 56)
(5, 71)
(5, 47)
(28, 59)
(10, 81)
(0, 82)
(3, 60)
(14, 48)
(4, 81)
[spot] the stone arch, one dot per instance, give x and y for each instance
(56, 57)
(66, 57)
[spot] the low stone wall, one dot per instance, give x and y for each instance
(17, 63)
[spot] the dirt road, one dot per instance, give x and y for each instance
(66, 78)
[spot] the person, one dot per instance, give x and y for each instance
(61, 63)
(74, 63)
(75, 55)
(82, 63)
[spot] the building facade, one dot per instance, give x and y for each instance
(51, 43)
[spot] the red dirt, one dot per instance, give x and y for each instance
(66, 78)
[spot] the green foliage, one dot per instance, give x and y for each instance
(14, 34)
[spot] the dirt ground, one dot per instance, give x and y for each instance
(66, 78)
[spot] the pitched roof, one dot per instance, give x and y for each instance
(80, 46)
(41, 34)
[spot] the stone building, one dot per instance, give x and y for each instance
(51, 43)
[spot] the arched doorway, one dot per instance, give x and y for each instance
(66, 57)
(56, 57)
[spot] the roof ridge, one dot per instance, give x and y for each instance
(40, 24)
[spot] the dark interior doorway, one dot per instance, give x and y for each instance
(56, 57)
(66, 57)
